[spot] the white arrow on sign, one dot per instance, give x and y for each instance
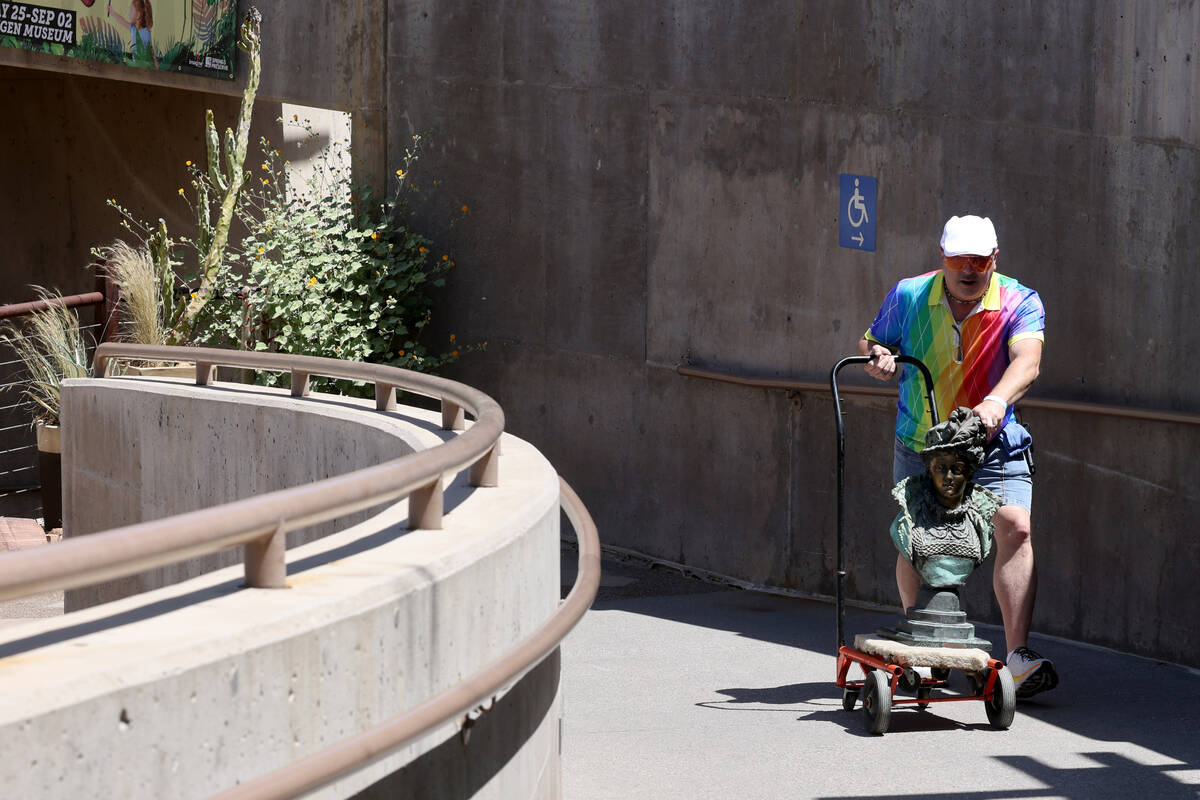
(858, 239)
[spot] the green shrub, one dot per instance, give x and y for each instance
(323, 273)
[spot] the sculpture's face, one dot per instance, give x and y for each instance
(950, 474)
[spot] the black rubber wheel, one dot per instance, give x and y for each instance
(1003, 703)
(849, 697)
(877, 701)
(922, 694)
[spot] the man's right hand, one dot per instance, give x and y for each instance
(882, 365)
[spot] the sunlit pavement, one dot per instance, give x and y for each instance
(678, 688)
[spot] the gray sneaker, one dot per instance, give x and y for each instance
(1031, 672)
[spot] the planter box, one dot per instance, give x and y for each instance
(49, 444)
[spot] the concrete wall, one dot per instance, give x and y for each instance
(138, 449)
(651, 183)
(186, 690)
(74, 142)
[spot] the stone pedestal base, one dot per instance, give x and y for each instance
(936, 621)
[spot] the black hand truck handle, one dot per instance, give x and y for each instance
(841, 468)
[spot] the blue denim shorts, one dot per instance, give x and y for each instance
(1004, 469)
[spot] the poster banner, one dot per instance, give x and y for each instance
(194, 36)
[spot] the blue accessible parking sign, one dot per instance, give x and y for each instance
(856, 220)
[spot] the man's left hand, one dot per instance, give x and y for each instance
(992, 414)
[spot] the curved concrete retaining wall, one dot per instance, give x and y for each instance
(187, 689)
(151, 449)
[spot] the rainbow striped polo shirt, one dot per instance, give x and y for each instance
(966, 359)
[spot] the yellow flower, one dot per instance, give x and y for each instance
(181, 192)
(264, 166)
(193, 294)
(452, 263)
(454, 353)
(421, 249)
(452, 337)
(464, 209)
(260, 250)
(400, 353)
(312, 281)
(189, 163)
(399, 173)
(295, 117)
(445, 258)
(374, 235)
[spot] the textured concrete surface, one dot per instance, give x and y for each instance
(16, 612)
(675, 688)
(185, 690)
(138, 449)
(654, 183)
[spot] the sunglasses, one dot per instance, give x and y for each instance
(977, 263)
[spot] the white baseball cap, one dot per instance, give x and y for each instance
(969, 236)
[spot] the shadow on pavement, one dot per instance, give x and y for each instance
(1113, 775)
(1102, 696)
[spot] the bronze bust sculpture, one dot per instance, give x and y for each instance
(944, 528)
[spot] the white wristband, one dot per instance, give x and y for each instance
(997, 399)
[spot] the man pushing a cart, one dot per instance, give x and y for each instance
(980, 334)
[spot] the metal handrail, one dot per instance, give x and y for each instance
(260, 522)
(35, 306)
(356, 752)
(1077, 406)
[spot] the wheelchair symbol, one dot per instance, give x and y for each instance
(856, 204)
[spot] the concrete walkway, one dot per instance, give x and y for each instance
(676, 688)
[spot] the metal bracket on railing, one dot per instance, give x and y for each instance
(471, 717)
(453, 416)
(385, 397)
(486, 471)
(266, 560)
(299, 383)
(425, 507)
(204, 373)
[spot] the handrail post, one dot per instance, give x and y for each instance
(107, 310)
(486, 471)
(300, 383)
(204, 373)
(425, 507)
(453, 417)
(266, 561)
(385, 397)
